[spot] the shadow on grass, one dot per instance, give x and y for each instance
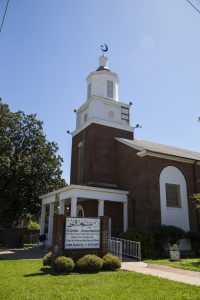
(48, 271)
(44, 271)
(196, 264)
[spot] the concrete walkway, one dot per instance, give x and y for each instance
(185, 276)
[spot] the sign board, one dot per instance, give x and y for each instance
(82, 233)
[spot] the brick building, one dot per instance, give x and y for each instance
(135, 183)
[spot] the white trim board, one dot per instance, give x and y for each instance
(104, 123)
(144, 152)
(87, 192)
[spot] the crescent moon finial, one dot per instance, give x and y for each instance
(104, 48)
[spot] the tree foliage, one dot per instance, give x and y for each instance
(197, 200)
(29, 165)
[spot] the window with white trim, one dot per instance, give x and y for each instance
(109, 88)
(125, 114)
(80, 161)
(173, 197)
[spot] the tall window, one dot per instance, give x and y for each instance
(80, 211)
(80, 161)
(173, 198)
(89, 90)
(125, 114)
(109, 88)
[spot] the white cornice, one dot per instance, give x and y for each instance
(143, 152)
(104, 123)
(105, 72)
(88, 192)
(105, 100)
(165, 156)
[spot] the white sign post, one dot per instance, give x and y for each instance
(82, 233)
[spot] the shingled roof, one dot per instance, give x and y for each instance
(155, 148)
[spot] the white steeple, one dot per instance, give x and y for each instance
(102, 105)
(103, 82)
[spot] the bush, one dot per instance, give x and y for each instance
(165, 234)
(194, 240)
(42, 237)
(47, 259)
(33, 225)
(89, 263)
(142, 236)
(111, 262)
(64, 264)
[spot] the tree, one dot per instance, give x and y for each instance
(197, 200)
(29, 165)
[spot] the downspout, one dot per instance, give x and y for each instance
(195, 191)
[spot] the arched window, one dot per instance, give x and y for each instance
(173, 198)
(80, 211)
(80, 161)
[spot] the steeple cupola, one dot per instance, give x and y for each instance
(103, 82)
(102, 105)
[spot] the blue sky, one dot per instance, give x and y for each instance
(48, 47)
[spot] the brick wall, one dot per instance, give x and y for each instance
(141, 177)
(108, 161)
(99, 153)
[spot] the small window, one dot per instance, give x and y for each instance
(109, 88)
(125, 114)
(89, 90)
(173, 198)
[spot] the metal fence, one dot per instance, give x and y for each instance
(115, 247)
(129, 248)
(34, 238)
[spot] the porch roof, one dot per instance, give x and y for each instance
(88, 192)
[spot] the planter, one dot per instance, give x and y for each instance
(174, 255)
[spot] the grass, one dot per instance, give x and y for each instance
(24, 280)
(192, 264)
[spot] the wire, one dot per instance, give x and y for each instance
(193, 6)
(4, 16)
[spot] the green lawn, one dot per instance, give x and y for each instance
(192, 264)
(21, 280)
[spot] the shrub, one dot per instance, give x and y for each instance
(142, 236)
(194, 240)
(42, 237)
(64, 264)
(33, 225)
(165, 234)
(89, 263)
(47, 259)
(111, 262)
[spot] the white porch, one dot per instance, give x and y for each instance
(74, 194)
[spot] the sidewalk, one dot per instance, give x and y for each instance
(185, 276)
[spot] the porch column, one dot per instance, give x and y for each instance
(125, 210)
(42, 219)
(62, 207)
(73, 206)
(100, 208)
(50, 226)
